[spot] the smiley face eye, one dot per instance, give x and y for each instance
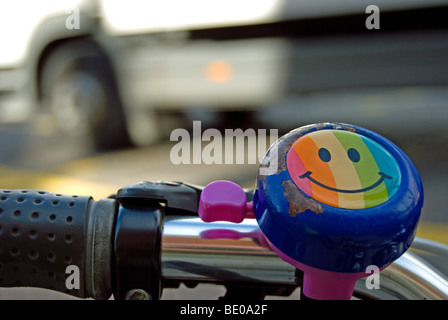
(324, 155)
(353, 155)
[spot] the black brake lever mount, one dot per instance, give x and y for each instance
(175, 196)
(138, 232)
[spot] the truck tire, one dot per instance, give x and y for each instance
(78, 88)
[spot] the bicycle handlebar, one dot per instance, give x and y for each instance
(42, 233)
(119, 249)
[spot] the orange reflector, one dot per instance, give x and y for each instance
(218, 72)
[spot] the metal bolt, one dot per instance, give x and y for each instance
(137, 294)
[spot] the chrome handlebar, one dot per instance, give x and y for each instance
(225, 253)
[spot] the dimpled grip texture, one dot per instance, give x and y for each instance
(42, 233)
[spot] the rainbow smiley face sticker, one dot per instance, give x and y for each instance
(343, 169)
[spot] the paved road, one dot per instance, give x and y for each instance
(32, 160)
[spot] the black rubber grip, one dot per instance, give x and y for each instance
(43, 233)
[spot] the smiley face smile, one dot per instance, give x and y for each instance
(343, 169)
(382, 175)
